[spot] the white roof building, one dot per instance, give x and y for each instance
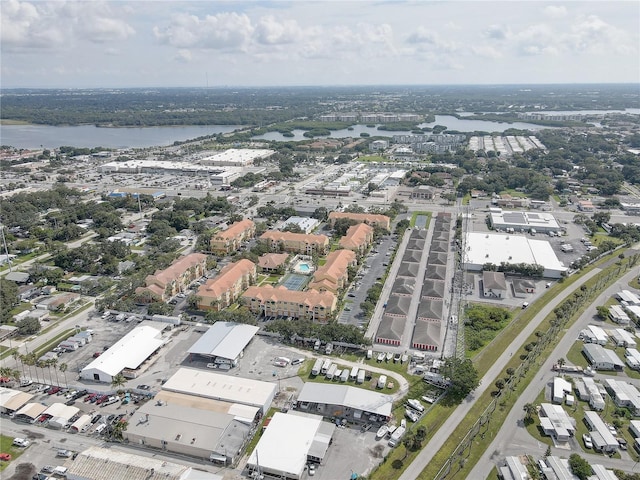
(622, 338)
(514, 469)
(128, 352)
(560, 388)
(618, 315)
(288, 443)
(225, 340)
(595, 334)
(12, 400)
(240, 157)
(556, 422)
(482, 248)
(306, 224)
(596, 400)
(358, 399)
(603, 439)
(560, 468)
(539, 221)
(601, 473)
(60, 414)
(628, 297)
(222, 387)
(624, 394)
(602, 358)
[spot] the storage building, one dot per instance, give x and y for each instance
(602, 358)
(224, 340)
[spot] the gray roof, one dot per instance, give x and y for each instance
(436, 258)
(344, 395)
(416, 244)
(436, 272)
(599, 354)
(427, 332)
(18, 277)
(412, 256)
(522, 284)
(433, 288)
(439, 246)
(224, 339)
(397, 305)
(420, 233)
(493, 281)
(403, 286)
(430, 309)
(391, 328)
(408, 269)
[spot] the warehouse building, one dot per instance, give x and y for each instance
(225, 388)
(534, 222)
(494, 248)
(289, 442)
(126, 355)
(12, 400)
(223, 342)
(342, 401)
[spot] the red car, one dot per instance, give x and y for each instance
(53, 390)
(90, 397)
(101, 399)
(5, 457)
(5, 380)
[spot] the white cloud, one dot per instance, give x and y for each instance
(183, 55)
(593, 35)
(224, 31)
(486, 51)
(497, 32)
(425, 39)
(553, 11)
(270, 31)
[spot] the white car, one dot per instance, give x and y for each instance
(21, 442)
(586, 438)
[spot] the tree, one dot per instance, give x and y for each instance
(118, 381)
(561, 362)
(28, 326)
(63, 367)
(603, 312)
(601, 217)
(579, 466)
(8, 299)
(529, 411)
(463, 378)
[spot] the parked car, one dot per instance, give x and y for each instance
(64, 453)
(53, 390)
(21, 442)
(586, 438)
(5, 457)
(144, 387)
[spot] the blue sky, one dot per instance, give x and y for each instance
(264, 43)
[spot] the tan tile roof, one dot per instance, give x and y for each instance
(335, 269)
(275, 235)
(357, 236)
(272, 260)
(371, 218)
(235, 229)
(177, 268)
(310, 298)
(226, 279)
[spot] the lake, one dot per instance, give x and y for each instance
(452, 123)
(89, 136)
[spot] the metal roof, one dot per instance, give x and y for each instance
(224, 339)
(391, 328)
(128, 352)
(430, 309)
(398, 305)
(427, 332)
(433, 288)
(347, 396)
(408, 269)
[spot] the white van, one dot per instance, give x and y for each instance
(100, 428)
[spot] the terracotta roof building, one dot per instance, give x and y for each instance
(358, 238)
(282, 302)
(334, 275)
(272, 262)
(229, 240)
(373, 219)
(226, 287)
(164, 284)
(295, 242)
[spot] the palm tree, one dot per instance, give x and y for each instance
(6, 372)
(560, 362)
(15, 373)
(118, 381)
(63, 368)
(52, 363)
(30, 360)
(41, 364)
(529, 410)
(16, 356)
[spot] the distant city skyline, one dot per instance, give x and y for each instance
(93, 44)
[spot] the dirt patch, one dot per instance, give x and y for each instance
(24, 471)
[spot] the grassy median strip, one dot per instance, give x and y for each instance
(490, 429)
(42, 349)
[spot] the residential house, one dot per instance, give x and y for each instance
(358, 238)
(282, 302)
(164, 284)
(586, 206)
(333, 276)
(372, 219)
(230, 239)
(307, 244)
(226, 287)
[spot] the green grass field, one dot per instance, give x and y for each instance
(7, 447)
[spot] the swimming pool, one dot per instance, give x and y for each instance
(304, 267)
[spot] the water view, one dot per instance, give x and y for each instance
(89, 136)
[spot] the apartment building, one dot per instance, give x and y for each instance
(282, 302)
(358, 238)
(164, 284)
(334, 275)
(230, 240)
(307, 244)
(373, 219)
(226, 287)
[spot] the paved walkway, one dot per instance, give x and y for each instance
(437, 441)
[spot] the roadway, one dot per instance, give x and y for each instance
(513, 438)
(437, 441)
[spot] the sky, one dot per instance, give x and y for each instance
(215, 43)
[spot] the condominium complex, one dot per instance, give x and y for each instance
(307, 244)
(334, 275)
(229, 240)
(282, 302)
(164, 284)
(226, 287)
